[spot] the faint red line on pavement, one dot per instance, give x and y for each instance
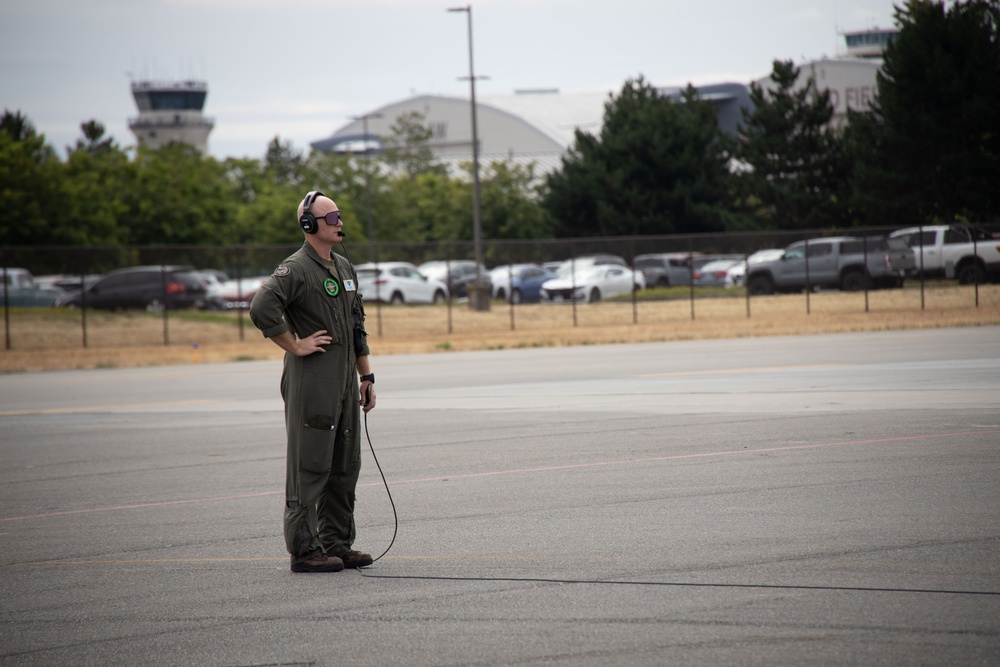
(515, 471)
(163, 503)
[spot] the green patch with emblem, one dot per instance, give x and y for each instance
(331, 286)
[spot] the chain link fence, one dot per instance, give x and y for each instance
(34, 327)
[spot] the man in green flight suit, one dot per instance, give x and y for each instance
(310, 307)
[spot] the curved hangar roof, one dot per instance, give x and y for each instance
(530, 126)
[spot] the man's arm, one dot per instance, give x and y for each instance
(302, 347)
(367, 386)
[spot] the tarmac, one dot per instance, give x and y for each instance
(821, 500)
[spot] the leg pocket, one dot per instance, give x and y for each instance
(316, 446)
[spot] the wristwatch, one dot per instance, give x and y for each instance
(368, 378)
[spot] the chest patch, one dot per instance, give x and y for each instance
(331, 286)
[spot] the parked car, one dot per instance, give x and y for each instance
(713, 273)
(212, 280)
(151, 287)
(235, 293)
(566, 267)
(66, 282)
(967, 253)
(520, 282)
(736, 276)
(836, 262)
(20, 290)
(457, 274)
(592, 283)
(666, 268)
(398, 283)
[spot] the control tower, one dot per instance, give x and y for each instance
(869, 44)
(171, 112)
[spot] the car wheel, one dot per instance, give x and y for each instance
(854, 281)
(760, 285)
(397, 299)
(515, 296)
(154, 306)
(501, 294)
(970, 274)
(439, 297)
(595, 295)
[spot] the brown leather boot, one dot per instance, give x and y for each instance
(319, 563)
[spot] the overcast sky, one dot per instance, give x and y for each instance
(299, 69)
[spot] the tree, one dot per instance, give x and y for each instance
(29, 175)
(406, 149)
(509, 201)
(95, 176)
(930, 148)
(179, 196)
(793, 175)
(94, 141)
(657, 167)
(283, 163)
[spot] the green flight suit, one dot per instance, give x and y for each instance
(321, 395)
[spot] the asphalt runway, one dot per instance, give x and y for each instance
(821, 500)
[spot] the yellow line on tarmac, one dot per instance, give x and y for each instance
(98, 408)
(726, 371)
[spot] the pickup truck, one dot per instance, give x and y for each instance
(834, 262)
(967, 253)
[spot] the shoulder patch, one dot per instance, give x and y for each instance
(282, 270)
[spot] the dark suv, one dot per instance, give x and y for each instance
(151, 287)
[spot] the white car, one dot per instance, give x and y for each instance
(398, 283)
(593, 284)
(738, 273)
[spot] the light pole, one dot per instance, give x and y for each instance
(368, 205)
(479, 298)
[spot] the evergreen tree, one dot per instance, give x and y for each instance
(657, 167)
(792, 173)
(930, 148)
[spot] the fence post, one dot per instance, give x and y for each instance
(239, 290)
(635, 285)
(510, 284)
(691, 273)
(808, 284)
(864, 273)
(746, 282)
(6, 308)
(163, 293)
(920, 233)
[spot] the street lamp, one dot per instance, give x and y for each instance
(368, 205)
(478, 298)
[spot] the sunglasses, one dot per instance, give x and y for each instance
(326, 218)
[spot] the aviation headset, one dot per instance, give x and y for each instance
(307, 220)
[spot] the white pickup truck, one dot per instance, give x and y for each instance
(970, 254)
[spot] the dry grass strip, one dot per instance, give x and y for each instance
(53, 339)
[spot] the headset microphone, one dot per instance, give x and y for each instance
(342, 233)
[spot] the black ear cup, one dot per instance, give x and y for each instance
(307, 220)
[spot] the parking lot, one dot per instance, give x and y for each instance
(827, 499)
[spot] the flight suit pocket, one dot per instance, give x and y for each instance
(316, 450)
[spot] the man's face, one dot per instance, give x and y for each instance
(328, 216)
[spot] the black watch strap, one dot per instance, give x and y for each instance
(368, 378)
